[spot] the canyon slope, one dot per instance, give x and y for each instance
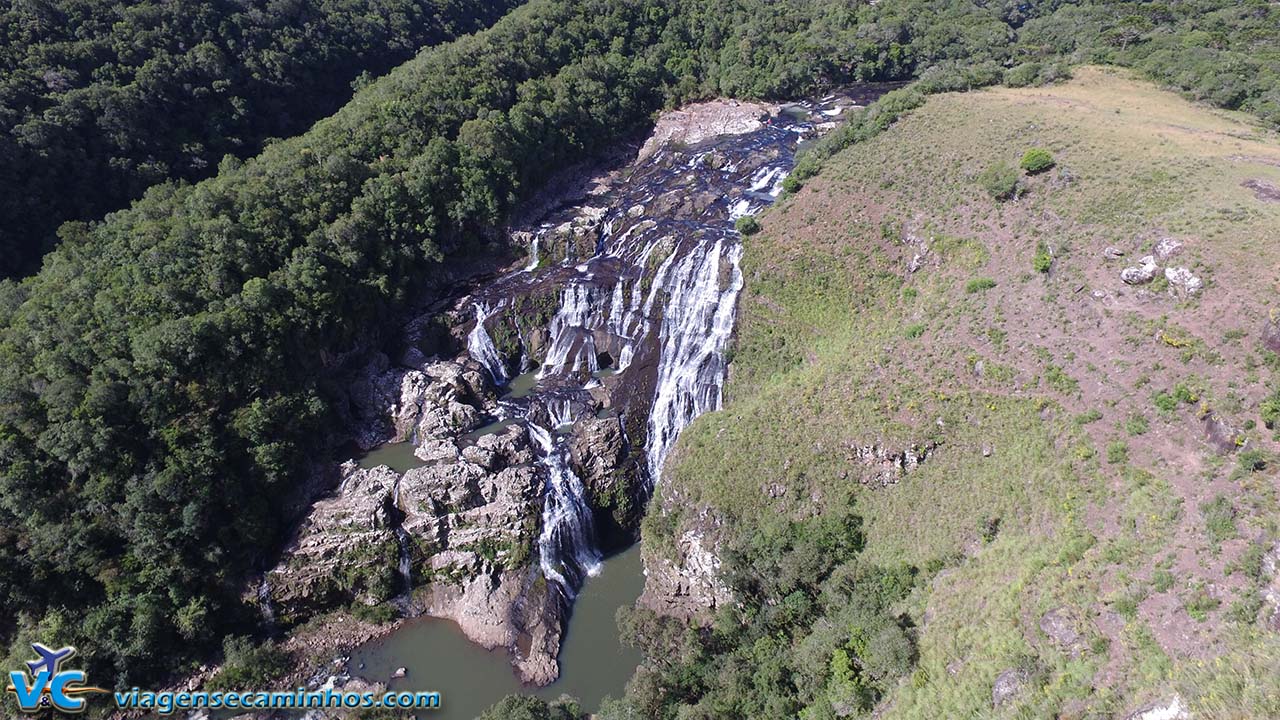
(1046, 418)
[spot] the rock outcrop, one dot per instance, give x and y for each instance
(689, 586)
(1142, 273)
(460, 531)
(345, 550)
(888, 465)
(1008, 685)
(1172, 709)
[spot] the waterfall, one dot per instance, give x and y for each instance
(696, 326)
(572, 344)
(533, 256)
(480, 346)
(264, 598)
(567, 544)
(403, 543)
(404, 567)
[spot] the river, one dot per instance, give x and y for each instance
(593, 662)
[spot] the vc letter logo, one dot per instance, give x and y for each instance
(48, 684)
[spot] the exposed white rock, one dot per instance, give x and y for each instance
(1140, 274)
(1183, 279)
(1173, 709)
(1167, 247)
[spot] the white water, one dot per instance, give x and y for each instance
(567, 544)
(480, 346)
(572, 344)
(696, 326)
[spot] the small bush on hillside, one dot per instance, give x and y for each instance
(792, 184)
(1023, 75)
(915, 331)
(1001, 181)
(1252, 461)
(1219, 519)
(1118, 453)
(1270, 410)
(1037, 160)
(979, 285)
(1043, 259)
(747, 225)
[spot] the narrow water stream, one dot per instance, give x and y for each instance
(436, 656)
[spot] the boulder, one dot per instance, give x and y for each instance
(1008, 685)
(1140, 274)
(1182, 279)
(1271, 333)
(1111, 252)
(1060, 627)
(1167, 247)
(1219, 434)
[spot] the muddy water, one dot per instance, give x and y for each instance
(437, 657)
(397, 456)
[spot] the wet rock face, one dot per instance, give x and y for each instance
(598, 453)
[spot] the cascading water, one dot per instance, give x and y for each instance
(696, 327)
(648, 278)
(480, 346)
(567, 544)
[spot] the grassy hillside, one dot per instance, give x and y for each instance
(1074, 522)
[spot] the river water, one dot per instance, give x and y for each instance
(593, 662)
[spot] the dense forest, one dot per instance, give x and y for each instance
(99, 101)
(167, 378)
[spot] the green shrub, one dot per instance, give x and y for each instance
(1136, 425)
(1001, 181)
(792, 184)
(1088, 416)
(246, 665)
(979, 285)
(1270, 410)
(1043, 259)
(1036, 160)
(1252, 460)
(1023, 75)
(1118, 452)
(747, 225)
(915, 331)
(379, 614)
(1219, 519)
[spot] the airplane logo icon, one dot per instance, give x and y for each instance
(50, 660)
